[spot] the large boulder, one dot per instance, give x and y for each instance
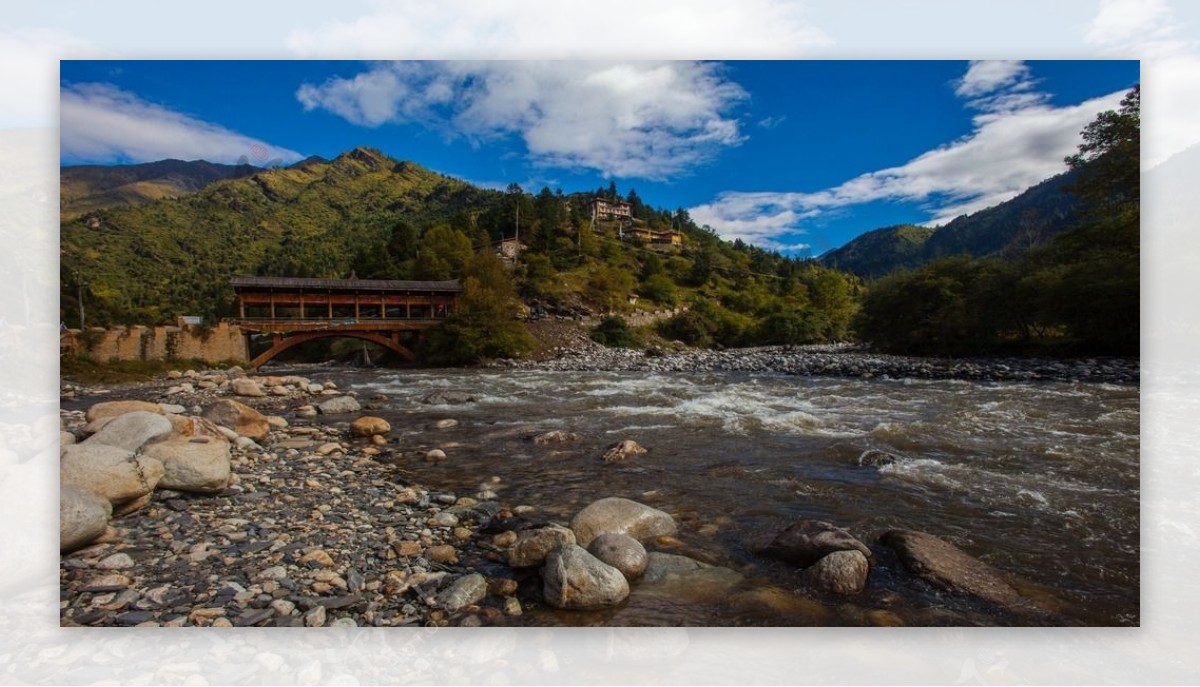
(621, 552)
(622, 450)
(807, 541)
(533, 546)
(239, 417)
(944, 565)
(112, 472)
(131, 430)
(196, 464)
(841, 572)
(575, 579)
(620, 516)
(339, 405)
(113, 408)
(83, 516)
(368, 426)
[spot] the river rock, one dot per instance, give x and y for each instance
(575, 579)
(807, 541)
(622, 450)
(533, 546)
(368, 426)
(195, 464)
(130, 430)
(944, 565)
(83, 516)
(244, 386)
(113, 408)
(841, 572)
(620, 516)
(447, 398)
(240, 418)
(466, 590)
(112, 472)
(194, 426)
(435, 455)
(339, 405)
(65, 438)
(555, 437)
(621, 552)
(792, 609)
(133, 505)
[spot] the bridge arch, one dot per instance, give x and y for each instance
(282, 343)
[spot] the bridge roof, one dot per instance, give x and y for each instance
(305, 283)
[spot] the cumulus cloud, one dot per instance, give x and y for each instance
(540, 29)
(1012, 147)
(641, 119)
(100, 122)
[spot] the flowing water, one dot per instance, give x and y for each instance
(1038, 479)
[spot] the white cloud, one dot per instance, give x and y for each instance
(1148, 30)
(772, 122)
(100, 122)
(986, 76)
(1014, 145)
(634, 120)
(541, 29)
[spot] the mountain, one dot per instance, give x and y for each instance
(1005, 230)
(86, 188)
(147, 263)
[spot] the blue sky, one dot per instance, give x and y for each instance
(798, 156)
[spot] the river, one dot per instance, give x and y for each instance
(1039, 479)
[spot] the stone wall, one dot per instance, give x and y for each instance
(210, 344)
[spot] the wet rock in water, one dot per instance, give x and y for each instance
(574, 579)
(109, 471)
(807, 541)
(131, 430)
(306, 411)
(620, 516)
(240, 418)
(555, 437)
(687, 578)
(795, 609)
(65, 438)
(339, 405)
(445, 423)
(435, 455)
(944, 565)
(841, 572)
(875, 458)
(196, 464)
(506, 539)
(83, 516)
(621, 552)
(622, 450)
(445, 398)
(114, 408)
(466, 590)
(533, 546)
(368, 426)
(244, 386)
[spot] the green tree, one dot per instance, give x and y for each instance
(614, 332)
(444, 253)
(1109, 157)
(483, 324)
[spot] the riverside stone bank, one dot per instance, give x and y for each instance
(210, 343)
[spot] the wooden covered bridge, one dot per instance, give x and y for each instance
(294, 310)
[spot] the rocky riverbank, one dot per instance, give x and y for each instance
(215, 498)
(836, 360)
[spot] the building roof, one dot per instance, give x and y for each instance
(305, 283)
